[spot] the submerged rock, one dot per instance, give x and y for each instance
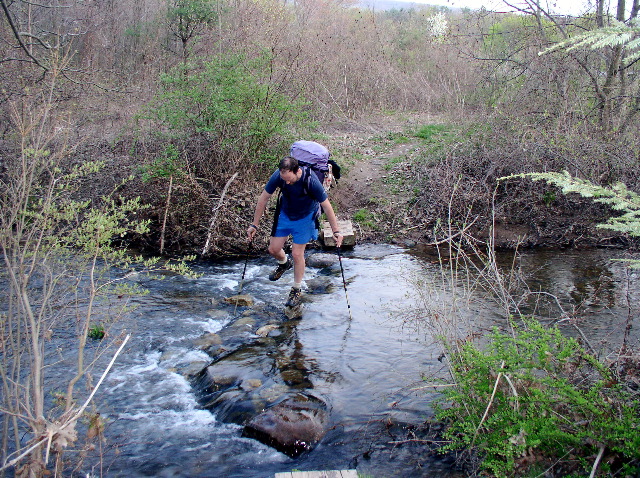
(191, 369)
(228, 385)
(246, 321)
(266, 330)
(293, 426)
(319, 285)
(259, 377)
(207, 340)
(242, 300)
(294, 312)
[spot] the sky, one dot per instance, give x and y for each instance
(566, 7)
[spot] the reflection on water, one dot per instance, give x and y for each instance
(593, 287)
(367, 366)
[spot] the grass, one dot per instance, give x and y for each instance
(432, 132)
(365, 218)
(393, 162)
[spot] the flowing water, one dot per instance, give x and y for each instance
(367, 365)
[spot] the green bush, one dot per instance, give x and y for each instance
(229, 101)
(536, 396)
(96, 332)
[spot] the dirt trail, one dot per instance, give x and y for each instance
(373, 155)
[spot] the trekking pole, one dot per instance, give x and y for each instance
(344, 283)
(246, 259)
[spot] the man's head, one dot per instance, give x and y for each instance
(288, 164)
(289, 170)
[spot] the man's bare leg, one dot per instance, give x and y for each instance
(297, 251)
(276, 248)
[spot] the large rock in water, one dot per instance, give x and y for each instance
(292, 426)
(321, 260)
(293, 313)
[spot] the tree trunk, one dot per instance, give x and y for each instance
(166, 212)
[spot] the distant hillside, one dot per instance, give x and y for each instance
(395, 4)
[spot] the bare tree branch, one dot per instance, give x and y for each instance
(18, 36)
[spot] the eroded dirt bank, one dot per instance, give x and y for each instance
(382, 192)
(395, 187)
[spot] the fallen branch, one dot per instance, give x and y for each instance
(486, 412)
(597, 462)
(419, 440)
(453, 236)
(435, 386)
(216, 210)
(58, 428)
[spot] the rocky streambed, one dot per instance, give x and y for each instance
(257, 377)
(210, 387)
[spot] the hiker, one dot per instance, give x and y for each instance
(301, 194)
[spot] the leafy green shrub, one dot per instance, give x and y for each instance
(230, 101)
(96, 332)
(536, 396)
(168, 163)
(548, 197)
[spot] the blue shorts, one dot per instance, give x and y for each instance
(303, 230)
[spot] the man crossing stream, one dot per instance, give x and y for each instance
(301, 195)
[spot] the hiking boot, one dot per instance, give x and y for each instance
(281, 269)
(295, 298)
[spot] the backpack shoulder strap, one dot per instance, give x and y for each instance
(306, 180)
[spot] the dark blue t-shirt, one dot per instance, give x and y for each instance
(296, 202)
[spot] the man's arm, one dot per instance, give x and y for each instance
(333, 221)
(261, 205)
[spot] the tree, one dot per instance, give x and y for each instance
(28, 35)
(618, 37)
(611, 73)
(64, 277)
(188, 19)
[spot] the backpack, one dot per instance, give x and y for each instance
(316, 157)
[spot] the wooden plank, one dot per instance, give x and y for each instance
(319, 474)
(346, 228)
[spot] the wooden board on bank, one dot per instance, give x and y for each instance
(346, 229)
(319, 474)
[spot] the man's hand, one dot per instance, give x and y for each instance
(251, 232)
(338, 238)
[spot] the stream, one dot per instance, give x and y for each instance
(367, 360)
